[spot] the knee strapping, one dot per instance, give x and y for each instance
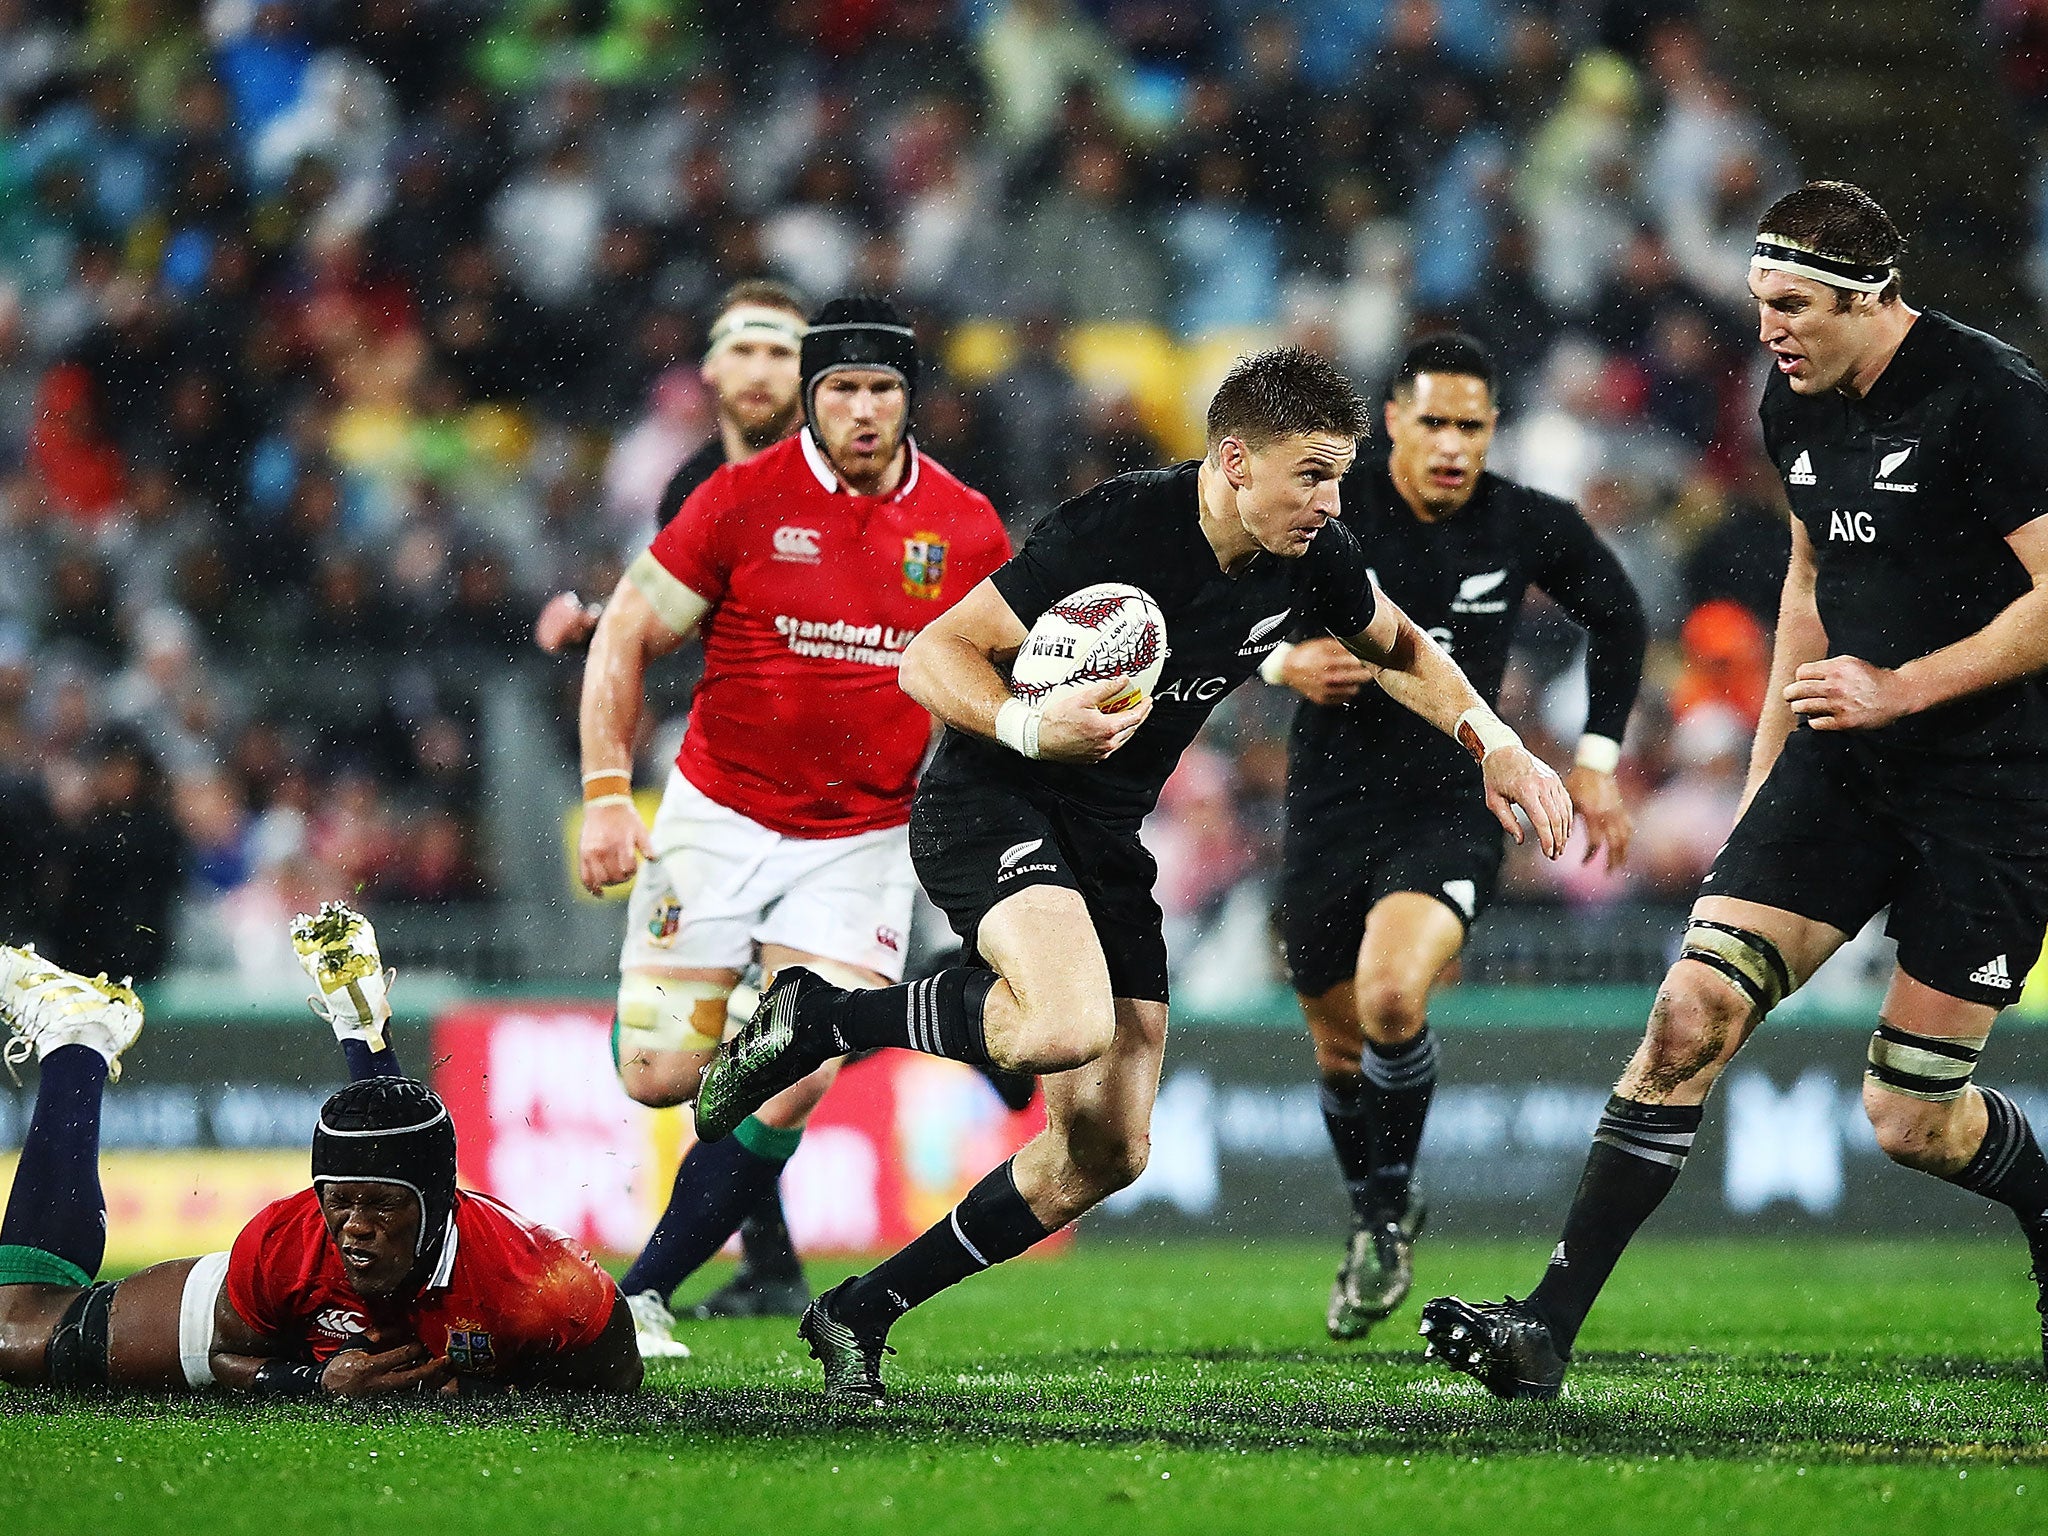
(1748, 959)
(664, 1013)
(77, 1357)
(1936, 1068)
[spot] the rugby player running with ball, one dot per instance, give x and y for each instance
(1902, 762)
(1025, 830)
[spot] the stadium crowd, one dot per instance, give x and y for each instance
(335, 334)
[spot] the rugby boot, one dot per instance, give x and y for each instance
(654, 1328)
(1377, 1272)
(1503, 1345)
(769, 1281)
(774, 1049)
(337, 949)
(852, 1359)
(45, 1006)
(2037, 1248)
(750, 1293)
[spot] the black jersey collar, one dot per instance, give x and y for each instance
(1905, 375)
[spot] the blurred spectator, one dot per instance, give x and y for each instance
(1683, 824)
(119, 865)
(1083, 251)
(1726, 663)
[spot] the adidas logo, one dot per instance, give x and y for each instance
(1992, 973)
(1557, 1258)
(1801, 472)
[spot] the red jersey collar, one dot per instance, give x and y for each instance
(828, 477)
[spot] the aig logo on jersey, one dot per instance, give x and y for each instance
(799, 545)
(1852, 527)
(924, 564)
(1896, 468)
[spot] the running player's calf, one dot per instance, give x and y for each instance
(1045, 1008)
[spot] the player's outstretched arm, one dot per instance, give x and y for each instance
(244, 1360)
(953, 668)
(609, 1364)
(638, 625)
(1419, 675)
(1845, 693)
(1801, 640)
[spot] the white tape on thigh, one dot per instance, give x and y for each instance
(663, 1013)
(195, 1318)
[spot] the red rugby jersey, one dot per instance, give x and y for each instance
(506, 1288)
(798, 723)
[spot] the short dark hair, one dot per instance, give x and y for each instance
(1284, 392)
(1443, 352)
(1839, 218)
(764, 292)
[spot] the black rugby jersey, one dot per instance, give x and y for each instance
(696, 469)
(1145, 529)
(1907, 495)
(1463, 578)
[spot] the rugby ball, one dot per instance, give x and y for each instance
(1100, 632)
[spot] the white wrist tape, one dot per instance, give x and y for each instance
(596, 800)
(1017, 726)
(1482, 733)
(1602, 754)
(1274, 668)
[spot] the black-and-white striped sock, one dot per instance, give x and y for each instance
(1638, 1151)
(2008, 1166)
(940, 1015)
(991, 1224)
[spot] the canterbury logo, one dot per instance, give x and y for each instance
(1017, 851)
(793, 543)
(1801, 472)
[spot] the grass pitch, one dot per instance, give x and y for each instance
(1758, 1386)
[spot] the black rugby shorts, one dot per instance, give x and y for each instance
(974, 844)
(1837, 834)
(1339, 869)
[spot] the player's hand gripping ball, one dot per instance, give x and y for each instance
(1099, 633)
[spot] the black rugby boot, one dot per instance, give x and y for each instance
(775, 1049)
(852, 1357)
(1503, 1345)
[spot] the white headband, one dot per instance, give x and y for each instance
(755, 322)
(1777, 253)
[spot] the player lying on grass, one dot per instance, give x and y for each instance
(383, 1277)
(1025, 828)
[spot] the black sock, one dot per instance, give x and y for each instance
(2008, 1167)
(1347, 1116)
(364, 1062)
(718, 1184)
(56, 1203)
(1637, 1154)
(765, 1248)
(992, 1224)
(1400, 1082)
(940, 1015)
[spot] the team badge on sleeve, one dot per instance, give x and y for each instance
(470, 1347)
(924, 564)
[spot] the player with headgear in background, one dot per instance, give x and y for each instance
(750, 364)
(1389, 858)
(383, 1277)
(806, 572)
(1902, 762)
(1026, 825)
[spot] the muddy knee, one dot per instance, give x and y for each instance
(1695, 1026)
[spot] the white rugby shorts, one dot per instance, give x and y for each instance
(718, 884)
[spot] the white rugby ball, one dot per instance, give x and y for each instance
(1100, 632)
